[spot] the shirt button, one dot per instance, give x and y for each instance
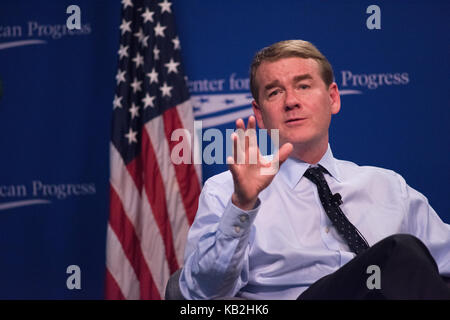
(327, 229)
(237, 229)
(243, 218)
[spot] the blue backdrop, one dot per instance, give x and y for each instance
(57, 88)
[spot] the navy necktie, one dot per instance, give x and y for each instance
(330, 203)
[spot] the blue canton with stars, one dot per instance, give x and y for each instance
(150, 78)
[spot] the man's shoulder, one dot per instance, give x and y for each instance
(351, 169)
(373, 177)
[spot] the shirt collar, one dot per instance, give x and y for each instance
(293, 169)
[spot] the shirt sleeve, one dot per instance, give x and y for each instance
(216, 255)
(424, 223)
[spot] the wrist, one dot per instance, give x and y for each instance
(242, 204)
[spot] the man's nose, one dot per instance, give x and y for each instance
(292, 100)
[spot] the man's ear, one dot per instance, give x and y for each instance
(335, 98)
(258, 114)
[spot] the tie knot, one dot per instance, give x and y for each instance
(315, 174)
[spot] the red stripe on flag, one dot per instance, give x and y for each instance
(154, 188)
(112, 290)
(126, 234)
(186, 176)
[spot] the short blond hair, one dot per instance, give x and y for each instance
(288, 49)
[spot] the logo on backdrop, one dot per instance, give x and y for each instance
(353, 83)
(38, 192)
(34, 32)
(215, 107)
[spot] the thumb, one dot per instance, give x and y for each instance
(281, 156)
(284, 152)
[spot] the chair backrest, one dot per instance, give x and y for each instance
(173, 291)
(447, 280)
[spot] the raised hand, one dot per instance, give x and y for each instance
(251, 172)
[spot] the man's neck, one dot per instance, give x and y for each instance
(310, 153)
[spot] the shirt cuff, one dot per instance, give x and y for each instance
(236, 222)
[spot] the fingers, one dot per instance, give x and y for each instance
(271, 168)
(238, 144)
(235, 150)
(245, 144)
(251, 128)
(251, 123)
(246, 151)
(240, 124)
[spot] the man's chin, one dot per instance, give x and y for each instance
(301, 144)
(296, 141)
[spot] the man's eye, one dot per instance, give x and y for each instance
(304, 86)
(274, 93)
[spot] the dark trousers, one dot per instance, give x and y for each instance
(406, 271)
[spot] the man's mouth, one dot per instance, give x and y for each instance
(295, 121)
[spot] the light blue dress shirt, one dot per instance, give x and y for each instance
(285, 244)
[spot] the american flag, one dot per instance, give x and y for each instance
(152, 200)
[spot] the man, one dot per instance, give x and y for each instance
(319, 227)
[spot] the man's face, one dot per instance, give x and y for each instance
(294, 99)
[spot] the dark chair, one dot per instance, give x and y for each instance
(447, 280)
(173, 291)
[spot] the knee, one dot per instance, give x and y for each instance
(407, 244)
(403, 239)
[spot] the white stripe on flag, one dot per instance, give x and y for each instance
(187, 119)
(138, 209)
(120, 268)
(175, 207)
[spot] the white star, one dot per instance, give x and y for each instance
(120, 76)
(176, 43)
(156, 53)
(123, 51)
(116, 102)
(131, 136)
(139, 35)
(165, 6)
(172, 66)
(144, 41)
(165, 89)
(153, 76)
(159, 30)
(125, 26)
(134, 111)
(147, 15)
(138, 60)
(148, 101)
(127, 3)
(136, 85)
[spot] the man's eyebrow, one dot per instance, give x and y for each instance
(298, 78)
(271, 85)
(302, 77)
